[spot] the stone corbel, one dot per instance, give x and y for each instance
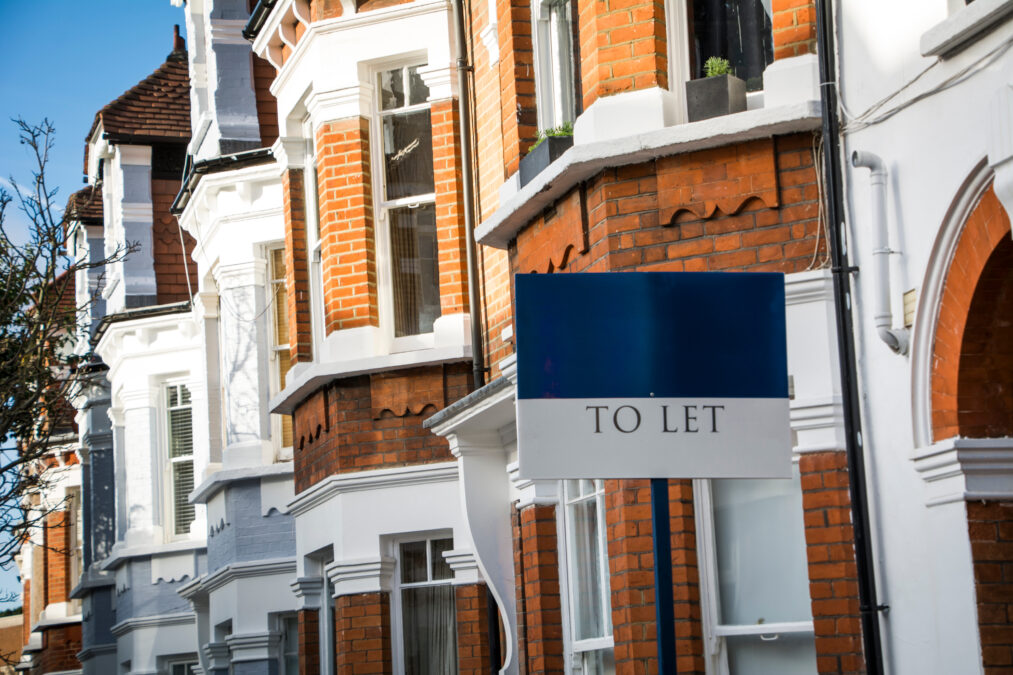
(309, 591)
(1000, 145)
(441, 80)
(965, 469)
(338, 104)
(254, 646)
(366, 575)
(464, 565)
(217, 656)
(290, 152)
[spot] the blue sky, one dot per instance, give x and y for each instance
(67, 59)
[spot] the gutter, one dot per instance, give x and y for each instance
(257, 18)
(869, 605)
(193, 172)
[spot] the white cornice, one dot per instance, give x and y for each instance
(338, 484)
(248, 570)
(308, 590)
(959, 469)
(228, 31)
(121, 554)
(367, 575)
(200, 217)
(219, 479)
(533, 492)
(157, 621)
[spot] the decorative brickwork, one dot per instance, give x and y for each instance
(539, 609)
(296, 267)
(473, 657)
(60, 645)
(794, 27)
(987, 225)
(990, 525)
(450, 234)
(773, 224)
(309, 642)
(167, 250)
(833, 571)
(346, 225)
(336, 430)
(362, 634)
(623, 47)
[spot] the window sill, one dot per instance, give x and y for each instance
(303, 382)
(122, 554)
(582, 161)
(959, 31)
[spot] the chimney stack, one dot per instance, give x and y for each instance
(178, 43)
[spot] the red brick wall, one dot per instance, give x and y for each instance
(623, 46)
(985, 227)
(363, 634)
(309, 642)
(296, 267)
(325, 9)
(60, 646)
(56, 553)
(170, 271)
(472, 604)
(985, 381)
(348, 244)
(267, 105)
(833, 571)
(519, 121)
(794, 27)
(450, 234)
(990, 525)
(753, 206)
(539, 609)
(373, 422)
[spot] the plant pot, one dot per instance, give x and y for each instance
(547, 152)
(715, 96)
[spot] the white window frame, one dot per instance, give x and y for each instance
(396, 621)
(575, 649)
(381, 206)
(284, 452)
(169, 503)
(552, 91)
(284, 648)
(714, 632)
(311, 195)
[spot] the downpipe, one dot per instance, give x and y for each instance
(895, 338)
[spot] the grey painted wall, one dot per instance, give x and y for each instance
(247, 535)
(144, 598)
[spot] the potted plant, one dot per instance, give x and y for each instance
(719, 93)
(550, 145)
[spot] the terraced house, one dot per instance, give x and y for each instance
(310, 361)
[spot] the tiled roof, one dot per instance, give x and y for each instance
(85, 204)
(156, 108)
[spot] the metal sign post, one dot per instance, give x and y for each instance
(652, 375)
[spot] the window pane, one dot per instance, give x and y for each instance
(284, 363)
(418, 91)
(430, 641)
(414, 269)
(759, 535)
(413, 562)
(788, 654)
(182, 486)
(392, 89)
(408, 154)
(585, 582)
(180, 432)
(738, 30)
(441, 570)
(561, 39)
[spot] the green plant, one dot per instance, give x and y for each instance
(716, 66)
(564, 129)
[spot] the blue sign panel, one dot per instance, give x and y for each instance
(652, 375)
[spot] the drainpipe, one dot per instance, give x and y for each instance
(869, 606)
(464, 107)
(897, 340)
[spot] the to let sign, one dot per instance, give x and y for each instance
(652, 375)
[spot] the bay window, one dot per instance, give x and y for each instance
(587, 578)
(407, 199)
(428, 613)
(754, 577)
(179, 431)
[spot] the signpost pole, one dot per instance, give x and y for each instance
(664, 600)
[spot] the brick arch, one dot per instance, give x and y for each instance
(984, 230)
